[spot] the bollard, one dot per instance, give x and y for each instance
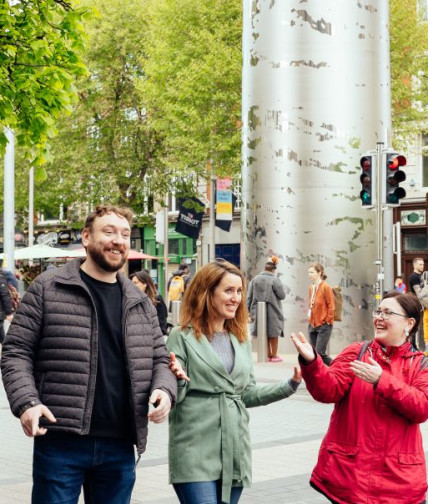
(175, 312)
(261, 331)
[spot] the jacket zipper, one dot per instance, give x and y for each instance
(131, 388)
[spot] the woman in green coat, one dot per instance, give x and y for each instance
(209, 439)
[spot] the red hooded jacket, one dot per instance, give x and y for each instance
(372, 452)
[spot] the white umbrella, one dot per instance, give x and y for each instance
(44, 252)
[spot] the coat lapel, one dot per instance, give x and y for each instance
(241, 359)
(206, 353)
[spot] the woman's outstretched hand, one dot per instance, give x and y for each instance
(177, 368)
(303, 347)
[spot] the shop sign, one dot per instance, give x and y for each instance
(413, 217)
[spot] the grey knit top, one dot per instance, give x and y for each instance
(223, 348)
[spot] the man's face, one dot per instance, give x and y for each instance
(419, 266)
(108, 242)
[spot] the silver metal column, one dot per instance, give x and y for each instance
(313, 101)
(9, 202)
(175, 312)
(261, 332)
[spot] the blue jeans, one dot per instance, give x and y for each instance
(63, 464)
(204, 492)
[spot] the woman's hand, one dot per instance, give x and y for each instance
(297, 376)
(177, 368)
(303, 347)
(370, 373)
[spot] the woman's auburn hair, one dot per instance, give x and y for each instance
(197, 311)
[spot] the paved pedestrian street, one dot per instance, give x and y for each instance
(285, 439)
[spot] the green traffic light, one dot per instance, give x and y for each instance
(366, 198)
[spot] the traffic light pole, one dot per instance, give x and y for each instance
(379, 224)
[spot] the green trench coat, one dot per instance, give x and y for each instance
(209, 437)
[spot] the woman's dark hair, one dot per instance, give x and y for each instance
(411, 307)
(145, 278)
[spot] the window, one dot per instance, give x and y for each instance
(173, 246)
(423, 9)
(425, 159)
(415, 242)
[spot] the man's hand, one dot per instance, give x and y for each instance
(162, 404)
(177, 368)
(30, 420)
(9, 318)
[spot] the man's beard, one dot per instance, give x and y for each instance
(100, 260)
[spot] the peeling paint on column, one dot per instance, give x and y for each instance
(307, 76)
(321, 25)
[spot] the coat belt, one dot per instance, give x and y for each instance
(229, 439)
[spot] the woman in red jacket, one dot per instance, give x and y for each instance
(372, 452)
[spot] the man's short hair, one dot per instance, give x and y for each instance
(101, 210)
(183, 267)
(417, 259)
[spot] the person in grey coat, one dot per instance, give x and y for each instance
(266, 287)
(82, 360)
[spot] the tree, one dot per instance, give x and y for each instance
(409, 66)
(106, 148)
(192, 82)
(41, 45)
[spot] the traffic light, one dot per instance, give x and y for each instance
(367, 179)
(393, 176)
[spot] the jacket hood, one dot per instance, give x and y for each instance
(178, 273)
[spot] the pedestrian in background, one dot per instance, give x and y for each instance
(209, 438)
(400, 286)
(83, 359)
(268, 288)
(6, 310)
(416, 284)
(177, 284)
(321, 311)
(373, 451)
(144, 282)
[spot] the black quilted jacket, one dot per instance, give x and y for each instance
(50, 352)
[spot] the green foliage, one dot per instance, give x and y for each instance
(192, 82)
(41, 45)
(409, 66)
(106, 150)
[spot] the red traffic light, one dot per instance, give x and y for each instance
(395, 162)
(366, 163)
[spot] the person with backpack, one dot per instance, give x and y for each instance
(373, 450)
(177, 284)
(321, 311)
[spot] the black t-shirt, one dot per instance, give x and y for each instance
(415, 279)
(112, 411)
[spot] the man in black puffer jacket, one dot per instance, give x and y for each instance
(83, 359)
(5, 304)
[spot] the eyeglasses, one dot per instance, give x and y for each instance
(386, 314)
